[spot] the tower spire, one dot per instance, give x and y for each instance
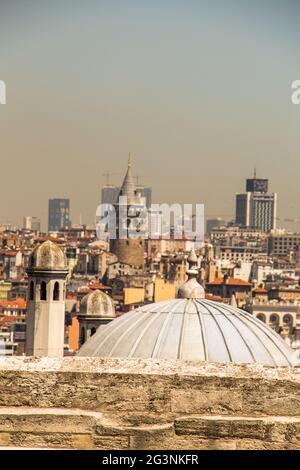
(128, 187)
(191, 289)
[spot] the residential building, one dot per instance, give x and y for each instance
(281, 243)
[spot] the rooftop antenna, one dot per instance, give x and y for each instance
(255, 173)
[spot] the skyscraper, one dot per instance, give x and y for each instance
(146, 192)
(32, 223)
(109, 194)
(58, 214)
(263, 211)
(256, 208)
(242, 209)
(257, 185)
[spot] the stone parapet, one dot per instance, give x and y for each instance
(90, 403)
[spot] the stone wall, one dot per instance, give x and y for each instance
(129, 251)
(90, 403)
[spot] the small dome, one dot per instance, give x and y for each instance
(48, 256)
(191, 289)
(193, 330)
(97, 304)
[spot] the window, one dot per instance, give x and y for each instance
(274, 319)
(31, 291)
(82, 336)
(43, 294)
(93, 331)
(261, 317)
(288, 319)
(56, 291)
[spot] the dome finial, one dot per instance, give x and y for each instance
(129, 160)
(192, 259)
(191, 289)
(233, 302)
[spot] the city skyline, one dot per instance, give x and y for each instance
(194, 90)
(149, 228)
(231, 218)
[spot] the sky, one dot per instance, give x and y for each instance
(198, 91)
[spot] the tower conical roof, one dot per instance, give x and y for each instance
(128, 187)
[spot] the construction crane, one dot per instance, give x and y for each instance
(138, 177)
(108, 175)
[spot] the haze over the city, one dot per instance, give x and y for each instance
(198, 91)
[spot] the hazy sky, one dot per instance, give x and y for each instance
(198, 91)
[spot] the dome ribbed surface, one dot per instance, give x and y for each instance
(190, 329)
(48, 256)
(97, 304)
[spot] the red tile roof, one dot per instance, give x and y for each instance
(52, 239)
(8, 252)
(215, 298)
(99, 286)
(231, 281)
(7, 319)
(18, 303)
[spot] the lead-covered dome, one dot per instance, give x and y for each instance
(190, 329)
(97, 304)
(48, 256)
(191, 290)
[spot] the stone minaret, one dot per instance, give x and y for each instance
(47, 272)
(96, 309)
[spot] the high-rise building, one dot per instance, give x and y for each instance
(263, 211)
(257, 185)
(242, 209)
(145, 192)
(155, 223)
(109, 194)
(256, 208)
(32, 223)
(58, 214)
